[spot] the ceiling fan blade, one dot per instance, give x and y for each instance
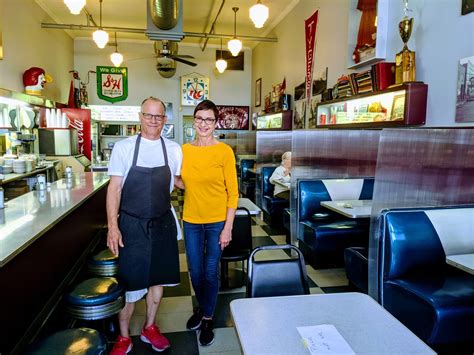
(182, 56)
(184, 61)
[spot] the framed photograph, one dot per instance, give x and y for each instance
(467, 6)
(258, 92)
(233, 117)
(465, 90)
(398, 108)
(168, 131)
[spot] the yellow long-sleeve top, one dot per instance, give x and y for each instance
(210, 181)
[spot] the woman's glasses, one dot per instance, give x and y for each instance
(149, 116)
(208, 121)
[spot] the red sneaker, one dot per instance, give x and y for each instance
(152, 335)
(122, 346)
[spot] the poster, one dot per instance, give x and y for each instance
(233, 117)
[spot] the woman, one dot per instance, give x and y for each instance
(282, 174)
(209, 178)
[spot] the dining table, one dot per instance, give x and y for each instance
(350, 208)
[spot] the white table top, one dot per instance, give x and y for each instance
(268, 325)
(27, 217)
(464, 262)
(248, 204)
(350, 208)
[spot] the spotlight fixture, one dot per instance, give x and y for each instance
(100, 36)
(116, 57)
(75, 6)
(234, 44)
(221, 64)
(258, 14)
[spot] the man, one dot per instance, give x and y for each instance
(142, 225)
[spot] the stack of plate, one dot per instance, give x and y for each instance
(19, 166)
(7, 166)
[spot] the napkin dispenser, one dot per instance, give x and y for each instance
(58, 141)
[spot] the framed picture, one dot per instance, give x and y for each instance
(398, 108)
(233, 117)
(467, 6)
(168, 131)
(258, 92)
(465, 90)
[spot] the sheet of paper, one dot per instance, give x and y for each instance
(324, 339)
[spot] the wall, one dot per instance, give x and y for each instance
(26, 44)
(441, 36)
(229, 88)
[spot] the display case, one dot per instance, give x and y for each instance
(397, 106)
(278, 121)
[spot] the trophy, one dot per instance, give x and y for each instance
(405, 68)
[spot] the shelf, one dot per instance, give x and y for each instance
(396, 106)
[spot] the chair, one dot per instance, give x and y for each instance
(241, 245)
(104, 263)
(284, 277)
(77, 341)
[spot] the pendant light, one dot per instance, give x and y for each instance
(221, 64)
(75, 6)
(234, 44)
(100, 36)
(116, 57)
(258, 14)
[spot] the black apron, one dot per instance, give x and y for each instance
(150, 255)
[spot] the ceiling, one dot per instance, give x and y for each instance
(197, 17)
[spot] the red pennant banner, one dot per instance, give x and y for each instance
(310, 25)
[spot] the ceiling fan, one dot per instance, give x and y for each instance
(169, 49)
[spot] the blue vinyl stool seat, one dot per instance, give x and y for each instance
(78, 341)
(96, 298)
(104, 263)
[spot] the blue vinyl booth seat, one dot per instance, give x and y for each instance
(323, 235)
(271, 206)
(432, 298)
(247, 179)
(357, 267)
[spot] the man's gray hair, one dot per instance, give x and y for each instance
(151, 98)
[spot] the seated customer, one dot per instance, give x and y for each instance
(282, 174)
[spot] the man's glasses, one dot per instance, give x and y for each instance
(208, 121)
(149, 116)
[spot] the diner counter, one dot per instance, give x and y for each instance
(27, 217)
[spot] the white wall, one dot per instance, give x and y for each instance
(441, 36)
(26, 45)
(229, 88)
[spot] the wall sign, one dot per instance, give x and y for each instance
(112, 83)
(194, 89)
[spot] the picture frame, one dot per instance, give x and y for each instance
(233, 117)
(467, 6)
(168, 131)
(398, 108)
(258, 92)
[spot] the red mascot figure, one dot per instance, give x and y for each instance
(34, 80)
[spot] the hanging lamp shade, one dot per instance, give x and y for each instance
(258, 14)
(100, 38)
(116, 58)
(235, 45)
(221, 65)
(75, 6)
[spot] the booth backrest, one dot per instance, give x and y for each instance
(245, 165)
(418, 240)
(312, 192)
(267, 187)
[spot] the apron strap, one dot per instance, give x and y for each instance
(165, 153)
(137, 148)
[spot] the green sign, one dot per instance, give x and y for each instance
(112, 83)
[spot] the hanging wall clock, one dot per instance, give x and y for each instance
(194, 89)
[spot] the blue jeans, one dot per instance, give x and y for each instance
(203, 252)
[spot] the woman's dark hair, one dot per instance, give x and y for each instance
(207, 105)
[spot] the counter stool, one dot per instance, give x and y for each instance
(96, 299)
(104, 263)
(80, 341)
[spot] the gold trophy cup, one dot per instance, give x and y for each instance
(405, 68)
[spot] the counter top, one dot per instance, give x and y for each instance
(27, 217)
